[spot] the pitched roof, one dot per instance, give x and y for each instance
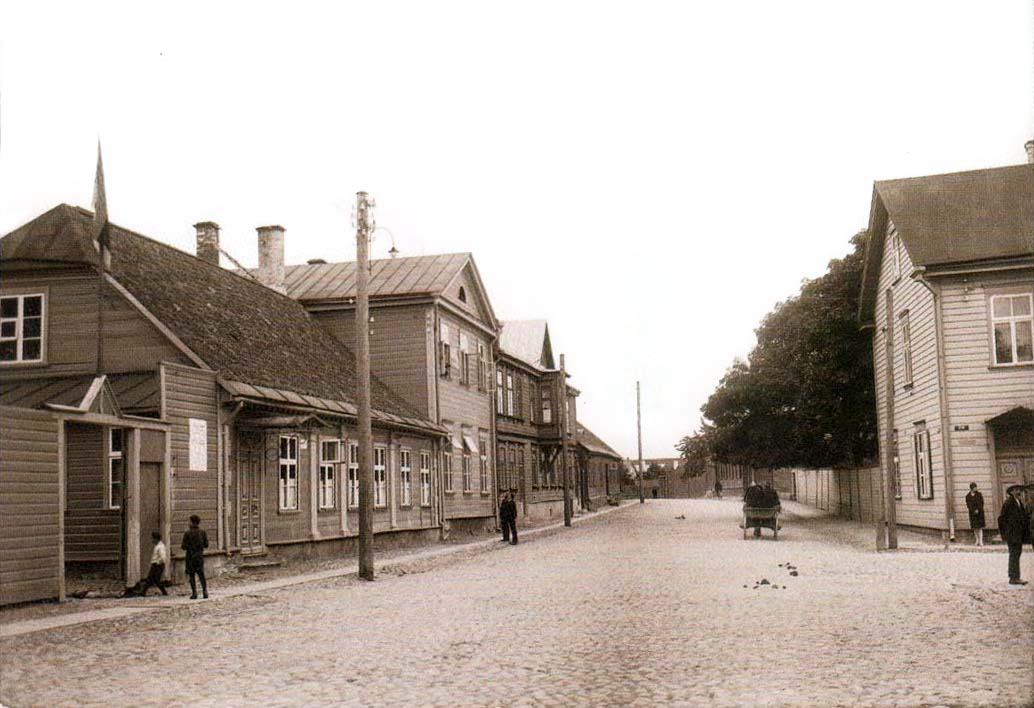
(957, 218)
(964, 216)
(412, 275)
(591, 442)
(527, 340)
(240, 328)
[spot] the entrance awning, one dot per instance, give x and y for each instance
(471, 445)
(1018, 417)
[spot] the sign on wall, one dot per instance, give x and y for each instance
(198, 445)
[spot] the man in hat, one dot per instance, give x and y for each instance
(504, 511)
(195, 541)
(511, 517)
(1014, 526)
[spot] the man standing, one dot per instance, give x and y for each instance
(718, 489)
(504, 510)
(511, 518)
(975, 506)
(1014, 525)
(195, 541)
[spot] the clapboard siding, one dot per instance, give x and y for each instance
(93, 531)
(70, 319)
(398, 347)
(30, 505)
(918, 403)
(978, 391)
(192, 393)
(131, 342)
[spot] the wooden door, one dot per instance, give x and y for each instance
(1014, 470)
(249, 485)
(150, 511)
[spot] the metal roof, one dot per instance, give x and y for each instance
(412, 275)
(526, 340)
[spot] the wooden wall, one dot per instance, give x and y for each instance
(30, 506)
(849, 493)
(93, 531)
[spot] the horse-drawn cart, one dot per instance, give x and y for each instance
(756, 517)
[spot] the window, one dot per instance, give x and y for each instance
(425, 479)
(447, 470)
(380, 477)
(923, 463)
(1012, 322)
(466, 473)
(906, 349)
(509, 394)
(330, 456)
(463, 294)
(483, 469)
(21, 328)
(547, 405)
(895, 253)
(353, 475)
(482, 367)
(116, 468)
(288, 473)
(518, 395)
(465, 359)
(536, 468)
(895, 464)
(406, 477)
(444, 350)
(500, 391)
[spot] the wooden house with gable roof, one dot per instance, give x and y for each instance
(947, 294)
(160, 386)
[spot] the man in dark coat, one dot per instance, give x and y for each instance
(975, 505)
(504, 510)
(511, 518)
(195, 541)
(718, 488)
(1014, 525)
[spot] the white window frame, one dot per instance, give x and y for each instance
(482, 366)
(1012, 321)
(922, 460)
(328, 473)
(444, 350)
(287, 479)
(380, 477)
(447, 471)
(895, 465)
(500, 392)
(116, 458)
(425, 478)
(509, 394)
(18, 324)
(464, 358)
(547, 405)
(906, 345)
(405, 477)
(467, 477)
(483, 481)
(353, 475)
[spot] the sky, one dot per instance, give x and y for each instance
(651, 179)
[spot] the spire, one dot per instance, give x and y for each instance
(100, 210)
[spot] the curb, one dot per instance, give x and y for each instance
(15, 629)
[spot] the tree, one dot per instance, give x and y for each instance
(805, 397)
(697, 451)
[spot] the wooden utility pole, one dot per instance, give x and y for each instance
(639, 430)
(364, 225)
(891, 438)
(564, 423)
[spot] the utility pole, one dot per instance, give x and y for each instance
(564, 423)
(889, 534)
(364, 226)
(639, 429)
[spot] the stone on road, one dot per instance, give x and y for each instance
(633, 608)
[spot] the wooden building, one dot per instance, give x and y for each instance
(600, 469)
(432, 336)
(947, 288)
(534, 438)
(160, 386)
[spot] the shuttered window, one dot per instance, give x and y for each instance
(483, 468)
(923, 462)
(116, 468)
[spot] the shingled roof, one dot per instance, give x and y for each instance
(951, 219)
(412, 275)
(593, 443)
(240, 328)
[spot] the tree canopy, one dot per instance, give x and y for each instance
(805, 396)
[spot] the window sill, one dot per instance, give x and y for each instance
(380, 506)
(327, 509)
(1007, 367)
(23, 364)
(425, 506)
(288, 512)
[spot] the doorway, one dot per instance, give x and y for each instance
(249, 485)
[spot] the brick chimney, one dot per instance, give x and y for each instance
(1029, 147)
(208, 241)
(271, 257)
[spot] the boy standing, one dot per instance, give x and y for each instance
(159, 557)
(195, 541)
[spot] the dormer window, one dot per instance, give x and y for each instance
(21, 328)
(463, 294)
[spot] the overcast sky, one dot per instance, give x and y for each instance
(650, 180)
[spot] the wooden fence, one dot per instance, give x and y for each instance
(848, 493)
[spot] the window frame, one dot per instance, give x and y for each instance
(509, 394)
(1012, 320)
(444, 349)
(483, 476)
(500, 391)
(464, 359)
(467, 477)
(405, 477)
(327, 479)
(115, 456)
(895, 463)
(352, 479)
(922, 463)
(380, 477)
(482, 367)
(905, 325)
(284, 481)
(19, 328)
(425, 478)
(447, 471)
(547, 404)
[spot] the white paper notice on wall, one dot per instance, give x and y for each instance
(198, 445)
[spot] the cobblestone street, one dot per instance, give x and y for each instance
(637, 607)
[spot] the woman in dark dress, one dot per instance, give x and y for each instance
(975, 504)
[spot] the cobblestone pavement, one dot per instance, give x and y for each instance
(634, 608)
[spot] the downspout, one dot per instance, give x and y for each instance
(443, 530)
(919, 275)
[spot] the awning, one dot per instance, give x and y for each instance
(457, 443)
(1018, 417)
(471, 445)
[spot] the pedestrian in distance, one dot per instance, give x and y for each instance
(718, 489)
(159, 559)
(1014, 526)
(511, 517)
(195, 541)
(975, 505)
(504, 510)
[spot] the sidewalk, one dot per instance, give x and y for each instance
(130, 607)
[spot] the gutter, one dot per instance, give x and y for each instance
(919, 275)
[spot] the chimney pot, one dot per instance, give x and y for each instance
(208, 241)
(316, 261)
(271, 257)
(1029, 147)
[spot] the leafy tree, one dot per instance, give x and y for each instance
(805, 397)
(697, 450)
